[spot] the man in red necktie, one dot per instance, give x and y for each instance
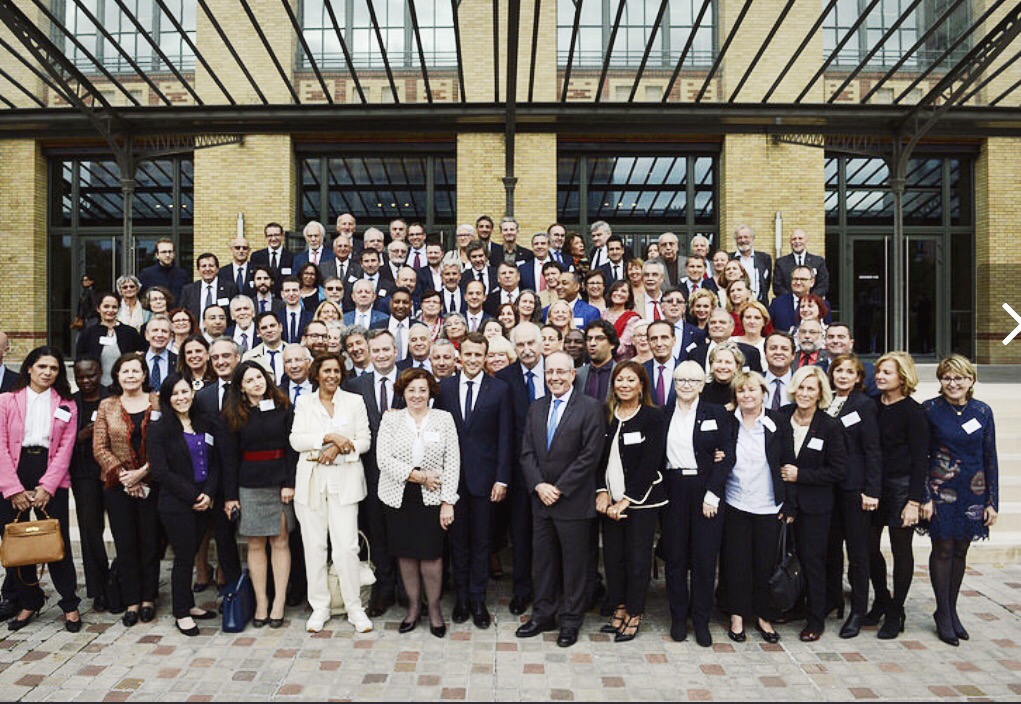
(809, 343)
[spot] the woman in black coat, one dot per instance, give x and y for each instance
(699, 457)
(812, 463)
(108, 340)
(857, 495)
(184, 458)
(631, 489)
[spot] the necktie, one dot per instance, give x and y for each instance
(384, 403)
(616, 272)
(241, 280)
(399, 338)
(801, 260)
(777, 392)
(315, 257)
(262, 306)
(655, 310)
(450, 308)
(542, 280)
(418, 261)
(156, 377)
(293, 334)
(660, 390)
(273, 261)
(468, 403)
(244, 342)
(531, 385)
(209, 297)
(223, 388)
(694, 287)
(273, 363)
(475, 324)
(551, 427)
(297, 392)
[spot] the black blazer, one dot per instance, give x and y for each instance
(7, 384)
(207, 399)
(513, 376)
(226, 277)
(819, 468)
(486, 439)
(782, 493)
(707, 440)
(861, 436)
(128, 340)
(642, 461)
(191, 296)
(364, 386)
(170, 462)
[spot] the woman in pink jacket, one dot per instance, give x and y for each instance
(38, 424)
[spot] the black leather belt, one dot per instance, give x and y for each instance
(35, 450)
(684, 472)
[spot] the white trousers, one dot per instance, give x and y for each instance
(338, 522)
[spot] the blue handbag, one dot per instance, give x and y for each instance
(238, 604)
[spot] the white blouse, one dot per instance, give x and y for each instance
(38, 418)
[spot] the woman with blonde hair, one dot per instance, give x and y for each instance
(501, 354)
(904, 446)
(753, 320)
(559, 316)
(640, 338)
(701, 304)
(328, 311)
(725, 361)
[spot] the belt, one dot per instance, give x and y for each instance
(35, 450)
(262, 455)
(684, 472)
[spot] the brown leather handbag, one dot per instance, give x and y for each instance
(32, 542)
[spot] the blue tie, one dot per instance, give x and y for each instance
(273, 362)
(468, 403)
(554, 419)
(297, 392)
(262, 306)
(156, 378)
(294, 327)
(531, 385)
(241, 280)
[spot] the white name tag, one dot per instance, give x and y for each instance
(768, 423)
(267, 404)
(709, 424)
(381, 292)
(634, 438)
(815, 444)
(222, 301)
(155, 416)
(579, 322)
(850, 419)
(746, 368)
(431, 436)
(285, 270)
(62, 414)
(353, 278)
(690, 347)
(209, 440)
(94, 414)
(971, 426)
(519, 262)
(112, 340)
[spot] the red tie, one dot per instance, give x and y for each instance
(694, 287)
(660, 395)
(418, 262)
(655, 310)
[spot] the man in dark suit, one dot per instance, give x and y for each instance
(274, 256)
(593, 379)
(616, 268)
(317, 250)
(295, 383)
(562, 444)
(363, 312)
(783, 311)
(600, 253)
(165, 272)
(510, 251)
(581, 312)
(661, 367)
(266, 297)
(7, 375)
(687, 337)
(162, 362)
(377, 390)
(475, 299)
(670, 257)
(430, 275)
(373, 272)
(527, 383)
(240, 271)
(800, 256)
(343, 266)
(480, 405)
(293, 316)
(509, 279)
(453, 294)
(721, 327)
(838, 341)
(530, 272)
(480, 270)
(695, 267)
(759, 265)
(484, 233)
(208, 290)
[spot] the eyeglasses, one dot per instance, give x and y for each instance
(334, 288)
(241, 247)
(688, 382)
(801, 278)
(316, 335)
(559, 372)
(955, 380)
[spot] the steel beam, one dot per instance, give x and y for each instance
(840, 47)
(455, 5)
(648, 49)
(308, 51)
(723, 49)
(347, 54)
(233, 52)
(421, 51)
(269, 50)
(706, 4)
(762, 49)
(609, 48)
(195, 50)
(382, 51)
(570, 50)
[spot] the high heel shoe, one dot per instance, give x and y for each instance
(893, 624)
(438, 631)
(945, 631)
(193, 631)
(876, 613)
(408, 626)
(618, 621)
(959, 628)
(630, 630)
(16, 624)
(852, 626)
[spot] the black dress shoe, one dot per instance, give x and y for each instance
(99, 604)
(130, 618)
(518, 606)
(703, 637)
(260, 622)
(893, 624)
(147, 613)
(8, 609)
(852, 626)
(480, 615)
(407, 626)
(378, 606)
(534, 628)
(204, 616)
(876, 613)
(568, 637)
(73, 626)
(193, 631)
(679, 634)
(737, 637)
(276, 623)
(17, 624)
(461, 613)
(769, 637)
(438, 631)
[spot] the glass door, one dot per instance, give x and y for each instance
(99, 256)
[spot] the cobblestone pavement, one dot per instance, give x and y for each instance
(153, 662)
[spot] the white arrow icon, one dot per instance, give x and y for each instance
(1016, 330)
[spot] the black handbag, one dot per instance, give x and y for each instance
(787, 580)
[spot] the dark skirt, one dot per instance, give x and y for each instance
(413, 530)
(892, 502)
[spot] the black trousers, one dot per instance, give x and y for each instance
(90, 508)
(521, 540)
(561, 564)
(135, 527)
(849, 526)
(225, 535)
(811, 530)
(370, 516)
(691, 543)
(184, 531)
(22, 580)
(627, 557)
(749, 555)
(471, 540)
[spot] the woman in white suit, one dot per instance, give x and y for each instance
(330, 433)
(419, 466)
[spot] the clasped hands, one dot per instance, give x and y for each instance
(334, 445)
(131, 480)
(606, 506)
(37, 498)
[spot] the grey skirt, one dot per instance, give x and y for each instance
(260, 512)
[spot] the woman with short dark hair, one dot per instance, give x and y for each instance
(109, 339)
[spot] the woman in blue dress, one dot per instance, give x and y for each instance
(962, 486)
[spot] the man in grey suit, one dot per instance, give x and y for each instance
(561, 447)
(800, 256)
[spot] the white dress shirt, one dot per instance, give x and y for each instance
(750, 484)
(509, 296)
(474, 321)
(599, 257)
(753, 274)
(249, 336)
(650, 307)
(38, 418)
(540, 377)
(463, 390)
(680, 444)
(566, 398)
(400, 340)
(785, 380)
(456, 295)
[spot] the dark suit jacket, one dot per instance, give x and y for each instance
(469, 275)
(642, 461)
(191, 296)
(172, 277)
(384, 287)
(871, 390)
(171, 465)
(671, 396)
(527, 272)
(276, 305)
(785, 265)
(128, 340)
(377, 318)
(708, 284)
(494, 301)
(764, 265)
(514, 376)
(207, 399)
(707, 440)
(820, 467)
(783, 315)
(10, 376)
(329, 269)
(858, 417)
(304, 318)
(690, 335)
(608, 271)
(582, 311)
(260, 257)
(572, 461)
(364, 386)
(226, 277)
(487, 439)
(581, 379)
(424, 281)
(301, 258)
(628, 256)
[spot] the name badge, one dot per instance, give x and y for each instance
(971, 426)
(353, 278)
(815, 444)
(768, 423)
(746, 368)
(285, 270)
(709, 424)
(267, 404)
(112, 340)
(62, 414)
(340, 420)
(155, 416)
(579, 322)
(850, 419)
(634, 438)
(94, 414)
(431, 436)
(519, 262)
(381, 292)
(690, 347)
(223, 301)
(209, 440)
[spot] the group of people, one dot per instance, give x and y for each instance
(576, 405)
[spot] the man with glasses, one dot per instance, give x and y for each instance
(165, 272)
(316, 337)
(239, 272)
(687, 337)
(334, 289)
(783, 311)
(274, 255)
(344, 266)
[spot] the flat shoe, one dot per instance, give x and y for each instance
(130, 618)
(771, 638)
(737, 637)
(259, 622)
(205, 615)
(17, 624)
(198, 588)
(807, 636)
(147, 613)
(73, 626)
(193, 631)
